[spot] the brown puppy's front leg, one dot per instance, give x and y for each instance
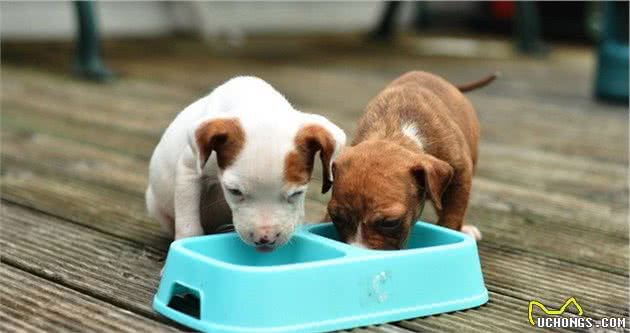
(454, 205)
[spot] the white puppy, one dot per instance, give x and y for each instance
(260, 148)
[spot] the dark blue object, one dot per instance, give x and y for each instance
(611, 82)
(88, 63)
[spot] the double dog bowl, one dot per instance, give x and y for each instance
(315, 283)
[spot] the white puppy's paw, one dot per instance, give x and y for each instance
(472, 231)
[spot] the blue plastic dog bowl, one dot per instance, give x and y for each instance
(316, 283)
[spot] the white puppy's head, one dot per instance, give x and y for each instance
(265, 165)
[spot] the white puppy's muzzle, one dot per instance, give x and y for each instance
(265, 236)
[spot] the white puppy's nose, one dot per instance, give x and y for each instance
(265, 241)
(266, 236)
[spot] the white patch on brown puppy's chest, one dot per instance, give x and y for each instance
(411, 131)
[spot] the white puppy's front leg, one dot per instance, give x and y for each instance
(187, 196)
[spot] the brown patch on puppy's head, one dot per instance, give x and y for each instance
(299, 163)
(223, 136)
(377, 192)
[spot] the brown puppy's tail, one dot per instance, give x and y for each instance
(478, 84)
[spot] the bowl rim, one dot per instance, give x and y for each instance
(349, 253)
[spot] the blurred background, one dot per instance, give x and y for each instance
(529, 28)
(87, 88)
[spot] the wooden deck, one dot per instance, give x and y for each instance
(79, 253)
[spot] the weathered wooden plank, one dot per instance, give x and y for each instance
(143, 124)
(33, 304)
(582, 177)
(135, 92)
(554, 206)
(108, 210)
(575, 134)
(82, 161)
(592, 248)
(104, 266)
(105, 137)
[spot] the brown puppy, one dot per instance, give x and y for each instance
(417, 140)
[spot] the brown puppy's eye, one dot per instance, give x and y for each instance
(340, 223)
(342, 227)
(387, 225)
(337, 220)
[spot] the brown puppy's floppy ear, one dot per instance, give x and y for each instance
(223, 136)
(434, 175)
(309, 140)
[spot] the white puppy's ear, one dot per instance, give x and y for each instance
(223, 136)
(318, 134)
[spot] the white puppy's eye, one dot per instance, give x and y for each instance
(235, 192)
(293, 196)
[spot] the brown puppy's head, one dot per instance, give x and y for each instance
(377, 190)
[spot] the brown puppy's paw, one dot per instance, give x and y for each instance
(472, 231)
